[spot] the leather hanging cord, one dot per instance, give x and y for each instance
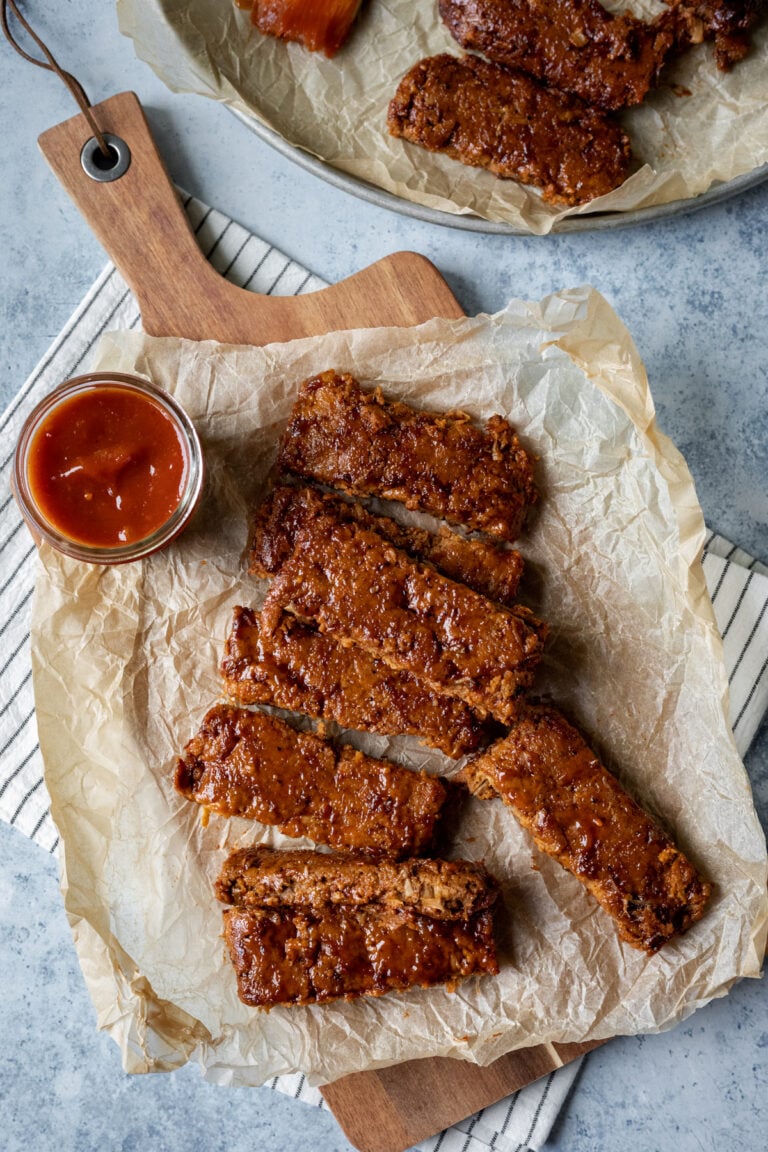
(50, 65)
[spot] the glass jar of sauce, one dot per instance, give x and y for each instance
(108, 469)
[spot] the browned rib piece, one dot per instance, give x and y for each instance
(287, 956)
(574, 45)
(439, 463)
(322, 26)
(492, 117)
(262, 877)
(578, 813)
(297, 668)
(249, 764)
(728, 22)
(489, 568)
(359, 588)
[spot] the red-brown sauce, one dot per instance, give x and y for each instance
(107, 467)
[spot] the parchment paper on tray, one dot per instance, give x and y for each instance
(700, 127)
(125, 665)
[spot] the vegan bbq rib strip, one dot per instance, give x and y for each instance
(321, 27)
(578, 813)
(287, 956)
(304, 946)
(263, 877)
(359, 588)
(365, 445)
(299, 669)
(249, 764)
(491, 569)
(728, 22)
(488, 116)
(573, 45)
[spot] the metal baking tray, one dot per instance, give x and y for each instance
(591, 223)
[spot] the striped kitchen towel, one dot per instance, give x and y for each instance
(738, 585)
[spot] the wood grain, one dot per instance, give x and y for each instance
(391, 1109)
(140, 223)
(142, 226)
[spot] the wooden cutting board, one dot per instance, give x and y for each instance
(141, 224)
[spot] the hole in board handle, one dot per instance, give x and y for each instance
(105, 168)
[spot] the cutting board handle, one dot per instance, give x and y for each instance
(142, 225)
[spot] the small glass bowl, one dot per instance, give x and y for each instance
(194, 471)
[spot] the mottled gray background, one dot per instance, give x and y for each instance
(692, 290)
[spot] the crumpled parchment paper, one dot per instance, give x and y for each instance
(699, 128)
(125, 666)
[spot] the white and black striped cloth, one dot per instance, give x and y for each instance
(737, 583)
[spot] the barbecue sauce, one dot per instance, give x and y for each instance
(107, 467)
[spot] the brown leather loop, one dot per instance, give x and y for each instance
(51, 65)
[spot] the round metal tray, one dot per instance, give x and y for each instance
(598, 221)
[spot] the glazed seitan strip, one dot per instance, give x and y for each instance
(358, 588)
(433, 462)
(491, 569)
(320, 27)
(299, 669)
(249, 764)
(728, 22)
(263, 877)
(291, 956)
(578, 813)
(492, 117)
(577, 46)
